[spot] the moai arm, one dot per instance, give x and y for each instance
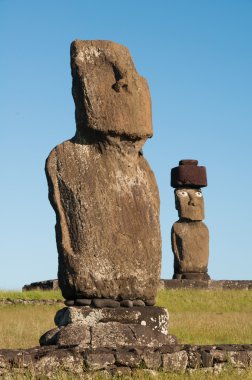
(175, 248)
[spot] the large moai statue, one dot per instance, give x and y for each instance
(106, 202)
(102, 189)
(189, 235)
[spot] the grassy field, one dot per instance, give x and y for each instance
(37, 295)
(196, 317)
(209, 316)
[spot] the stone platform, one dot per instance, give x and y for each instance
(49, 360)
(88, 327)
(206, 284)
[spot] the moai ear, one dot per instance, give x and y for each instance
(176, 200)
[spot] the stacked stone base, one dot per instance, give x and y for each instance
(87, 327)
(50, 360)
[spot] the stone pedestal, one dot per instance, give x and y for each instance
(88, 327)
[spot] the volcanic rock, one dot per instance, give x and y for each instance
(102, 189)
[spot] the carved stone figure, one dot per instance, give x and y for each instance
(189, 236)
(106, 202)
(102, 189)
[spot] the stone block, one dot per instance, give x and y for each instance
(49, 337)
(175, 362)
(96, 361)
(129, 358)
(239, 359)
(156, 318)
(57, 360)
(115, 334)
(152, 359)
(73, 335)
(194, 359)
(207, 358)
(219, 356)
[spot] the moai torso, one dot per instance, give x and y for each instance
(189, 235)
(102, 189)
(190, 245)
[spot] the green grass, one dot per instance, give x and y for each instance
(196, 300)
(22, 325)
(209, 316)
(31, 294)
(200, 374)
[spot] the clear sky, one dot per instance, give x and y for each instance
(197, 58)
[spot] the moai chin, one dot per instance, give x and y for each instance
(102, 189)
(189, 235)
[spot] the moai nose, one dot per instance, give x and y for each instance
(191, 201)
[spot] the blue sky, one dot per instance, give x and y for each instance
(197, 58)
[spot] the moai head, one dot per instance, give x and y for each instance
(188, 178)
(189, 203)
(111, 98)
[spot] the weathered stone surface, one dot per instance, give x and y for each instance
(150, 302)
(110, 96)
(156, 318)
(205, 284)
(239, 359)
(49, 338)
(85, 185)
(115, 334)
(83, 302)
(138, 303)
(207, 358)
(194, 359)
(48, 363)
(101, 302)
(197, 279)
(190, 245)
(175, 362)
(40, 362)
(73, 335)
(130, 358)
(126, 303)
(69, 302)
(152, 359)
(70, 335)
(102, 189)
(95, 361)
(42, 285)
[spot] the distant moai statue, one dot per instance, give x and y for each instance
(189, 235)
(106, 202)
